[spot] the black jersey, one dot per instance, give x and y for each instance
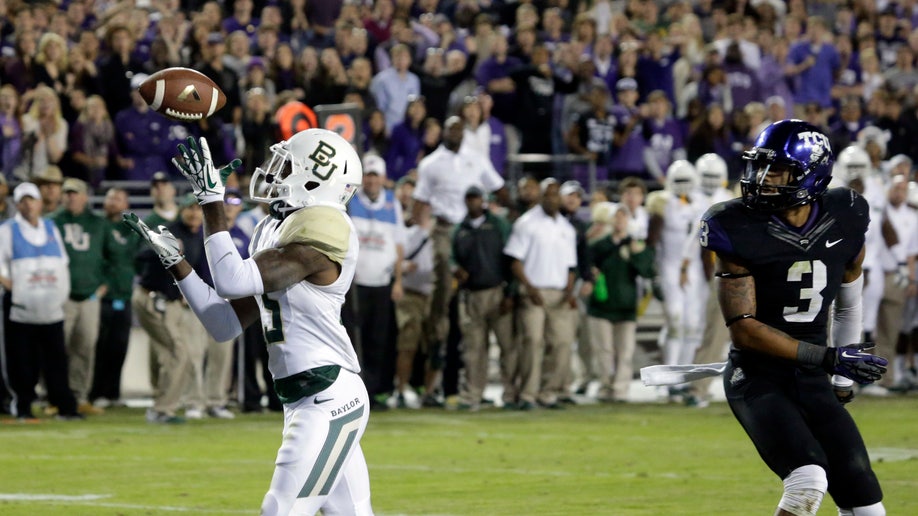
(797, 271)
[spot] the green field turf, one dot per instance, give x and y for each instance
(641, 459)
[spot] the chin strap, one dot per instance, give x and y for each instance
(280, 210)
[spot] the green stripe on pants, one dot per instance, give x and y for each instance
(342, 433)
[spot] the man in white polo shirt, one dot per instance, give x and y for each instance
(543, 245)
(377, 217)
(443, 178)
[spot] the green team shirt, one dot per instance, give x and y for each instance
(621, 268)
(84, 237)
(120, 247)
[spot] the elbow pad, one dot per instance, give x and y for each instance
(234, 277)
(214, 312)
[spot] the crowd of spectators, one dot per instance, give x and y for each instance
(632, 86)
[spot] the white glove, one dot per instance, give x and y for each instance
(163, 242)
(207, 182)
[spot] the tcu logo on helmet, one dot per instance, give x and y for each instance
(321, 157)
(819, 143)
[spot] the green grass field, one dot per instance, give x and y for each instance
(640, 459)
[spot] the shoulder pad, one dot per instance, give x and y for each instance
(321, 227)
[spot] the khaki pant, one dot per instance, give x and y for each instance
(586, 351)
(889, 322)
(482, 316)
(548, 334)
(443, 280)
(81, 330)
(170, 346)
(411, 315)
(714, 342)
(614, 343)
(211, 365)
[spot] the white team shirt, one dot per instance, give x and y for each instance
(679, 218)
(302, 323)
(444, 177)
(547, 246)
(905, 221)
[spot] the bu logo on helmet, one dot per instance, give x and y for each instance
(321, 158)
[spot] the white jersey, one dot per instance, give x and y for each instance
(679, 217)
(302, 323)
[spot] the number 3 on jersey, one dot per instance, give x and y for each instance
(811, 294)
(274, 333)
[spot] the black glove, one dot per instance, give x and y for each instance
(852, 361)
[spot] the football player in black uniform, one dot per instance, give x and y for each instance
(785, 250)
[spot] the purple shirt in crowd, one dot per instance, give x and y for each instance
(504, 103)
(815, 83)
(629, 158)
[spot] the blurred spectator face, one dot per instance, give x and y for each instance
(551, 199)
(30, 209)
(455, 61)
(417, 110)
(359, 42)
(659, 106)
(309, 58)
(598, 98)
(255, 76)
(377, 122)
(330, 60)
(76, 14)
(887, 24)
(432, 133)
(486, 103)
(603, 48)
(267, 39)
(452, 137)
(632, 197)
(904, 58)
(360, 73)
(475, 205)
(75, 202)
(383, 10)
(401, 58)
(540, 56)
(242, 7)
(9, 99)
(526, 17)
(433, 62)
(529, 191)
(78, 100)
(192, 216)
(404, 193)
(212, 14)
(898, 189)
(628, 98)
(284, 57)
(776, 111)
(471, 112)
(121, 42)
(851, 110)
(89, 42)
(372, 184)
(271, 15)
(162, 192)
(499, 46)
(552, 22)
(95, 109)
(238, 44)
(715, 117)
(256, 101)
(572, 202)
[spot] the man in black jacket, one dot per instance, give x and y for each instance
(484, 277)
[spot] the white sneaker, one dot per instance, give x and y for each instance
(874, 390)
(220, 413)
(194, 413)
(102, 403)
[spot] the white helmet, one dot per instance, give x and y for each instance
(713, 171)
(852, 162)
(314, 167)
(681, 178)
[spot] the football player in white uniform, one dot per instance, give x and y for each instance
(303, 260)
(673, 213)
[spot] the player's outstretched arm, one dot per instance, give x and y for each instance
(222, 319)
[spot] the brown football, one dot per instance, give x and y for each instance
(182, 94)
